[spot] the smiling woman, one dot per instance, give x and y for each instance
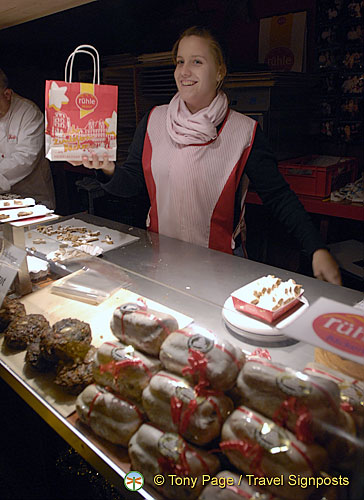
(200, 68)
(195, 157)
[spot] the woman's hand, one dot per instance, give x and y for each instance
(104, 164)
(325, 267)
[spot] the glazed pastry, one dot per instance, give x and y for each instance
(10, 309)
(256, 445)
(172, 404)
(351, 391)
(201, 356)
(108, 415)
(70, 340)
(124, 369)
(143, 328)
(75, 377)
(306, 405)
(155, 452)
(24, 330)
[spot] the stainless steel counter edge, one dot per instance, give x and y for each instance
(193, 280)
(88, 450)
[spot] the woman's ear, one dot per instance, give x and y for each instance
(8, 94)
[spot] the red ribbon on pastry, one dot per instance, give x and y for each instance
(260, 353)
(114, 367)
(197, 363)
(145, 313)
(169, 466)
(249, 450)
(116, 396)
(303, 426)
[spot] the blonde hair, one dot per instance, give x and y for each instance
(215, 47)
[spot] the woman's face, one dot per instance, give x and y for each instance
(196, 72)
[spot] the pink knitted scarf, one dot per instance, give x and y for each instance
(186, 128)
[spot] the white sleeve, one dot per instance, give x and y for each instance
(21, 161)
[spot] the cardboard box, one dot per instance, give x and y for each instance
(282, 42)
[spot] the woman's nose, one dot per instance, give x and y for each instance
(185, 69)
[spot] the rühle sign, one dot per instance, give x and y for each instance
(342, 330)
(282, 42)
(333, 326)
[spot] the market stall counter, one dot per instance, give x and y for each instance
(163, 278)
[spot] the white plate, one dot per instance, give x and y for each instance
(13, 213)
(17, 203)
(252, 328)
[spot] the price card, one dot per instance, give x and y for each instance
(11, 258)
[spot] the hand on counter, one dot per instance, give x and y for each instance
(325, 267)
(96, 163)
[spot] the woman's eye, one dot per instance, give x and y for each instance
(197, 61)
(179, 62)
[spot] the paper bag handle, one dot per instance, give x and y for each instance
(71, 57)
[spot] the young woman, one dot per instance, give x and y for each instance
(195, 156)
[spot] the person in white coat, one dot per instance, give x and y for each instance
(24, 170)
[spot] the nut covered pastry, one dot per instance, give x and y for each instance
(9, 310)
(73, 378)
(144, 328)
(24, 330)
(34, 357)
(69, 340)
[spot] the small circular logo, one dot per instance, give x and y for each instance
(170, 445)
(86, 101)
(130, 307)
(122, 353)
(293, 385)
(134, 480)
(200, 343)
(185, 394)
(272, 438)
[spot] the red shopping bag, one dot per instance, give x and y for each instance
(80, 118)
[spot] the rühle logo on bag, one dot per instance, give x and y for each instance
(81, 118)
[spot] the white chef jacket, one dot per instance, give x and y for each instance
(24, 170)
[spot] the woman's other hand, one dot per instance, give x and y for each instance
(325, 267)
(104, 164)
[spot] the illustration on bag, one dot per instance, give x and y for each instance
(81, 118)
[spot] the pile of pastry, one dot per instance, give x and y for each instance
(188, 404)
(63, 349)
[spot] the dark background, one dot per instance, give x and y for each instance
(35, 51)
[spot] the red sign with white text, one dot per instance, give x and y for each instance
(344, 331)
(333, 326)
